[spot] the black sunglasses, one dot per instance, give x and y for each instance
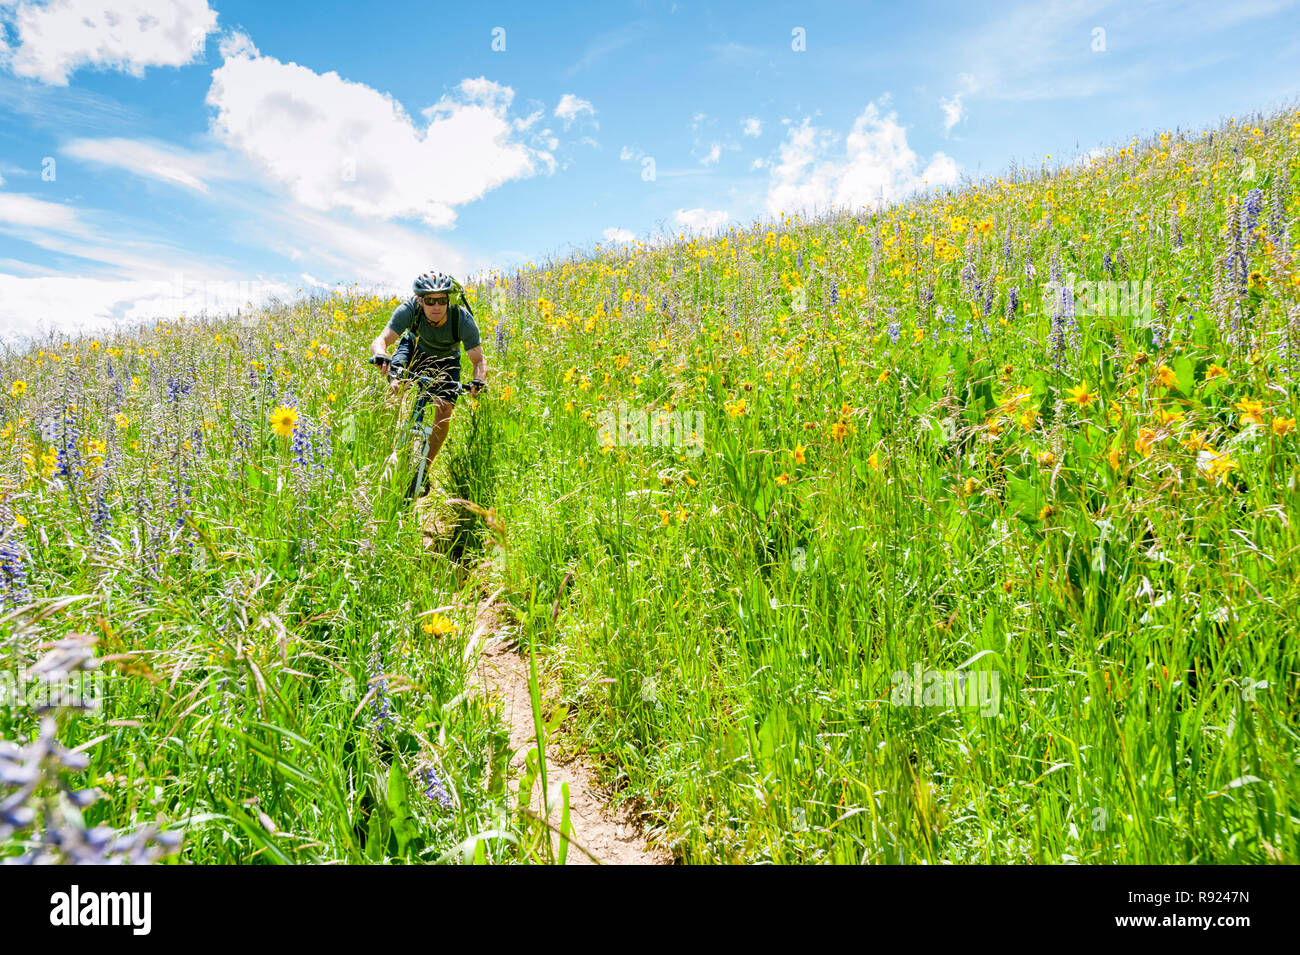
(434, 299)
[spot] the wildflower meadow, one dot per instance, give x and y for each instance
(960, 530)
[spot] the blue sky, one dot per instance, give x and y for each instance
(160, 156)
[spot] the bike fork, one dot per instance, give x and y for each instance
(421, 466)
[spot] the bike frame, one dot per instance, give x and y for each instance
(419, 427)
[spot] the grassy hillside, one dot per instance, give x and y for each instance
(964, 531)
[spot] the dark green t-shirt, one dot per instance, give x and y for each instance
(440, 342)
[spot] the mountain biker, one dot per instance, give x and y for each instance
(433, 326)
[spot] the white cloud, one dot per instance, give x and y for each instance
(758, 163)
(32, 308)
(152, 160)
(617, 235)
(874, 164)
(953, 112)
(714, 154)
(341, 144)
(702, 220)
(627, 152)
(62, 36)
(571, 107)
(237, 43)
(752, 126)
(19, 210)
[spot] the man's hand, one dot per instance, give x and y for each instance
(477, 387)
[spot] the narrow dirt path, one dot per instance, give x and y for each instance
(613, 838)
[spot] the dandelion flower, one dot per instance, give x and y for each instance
(1283, 426)
(1166, 376)
(17, 388)
(1215, 371)
(783, 478)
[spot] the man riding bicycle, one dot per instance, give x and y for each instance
(433, 325)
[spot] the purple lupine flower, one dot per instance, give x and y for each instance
(381, 712)
(1057, 336)
(301, 446)
(1108, 264)
(101, 516)
(324, 451)
(798, 261)
(1277, 221)
(969, 282)
(182, 493)
(835, 294)
(1254, 203)
(502, 339)
(69, 454)
(434, 789)
(35, 774)
(13, 561)
(893, 328)
(1013, 302)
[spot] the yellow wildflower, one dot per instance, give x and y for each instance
(283, 420)
(1251, 410)
(1081, 396)
(437, 625)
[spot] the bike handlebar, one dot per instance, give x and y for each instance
(406, 374)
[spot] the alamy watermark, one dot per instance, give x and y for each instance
(1102, 298)
(947, 688)
(623, 426)
(82, 690)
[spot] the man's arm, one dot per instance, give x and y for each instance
(383, 342)
(380, 346)
(475, 355)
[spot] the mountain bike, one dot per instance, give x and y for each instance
(420, 430)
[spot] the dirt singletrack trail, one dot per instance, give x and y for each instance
(615, 838)
(612, 837)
